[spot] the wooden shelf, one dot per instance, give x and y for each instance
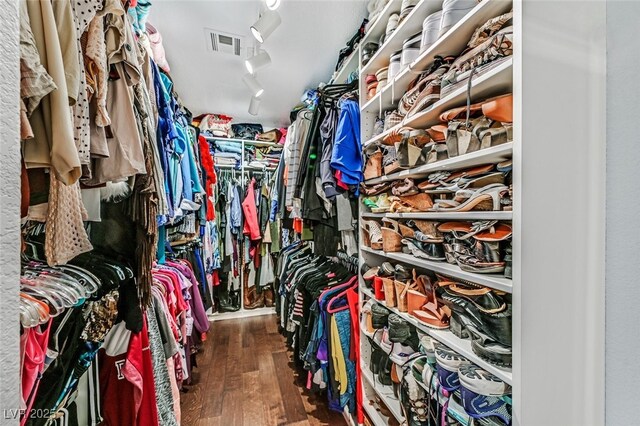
(495, 154)
(446, 337)
(496, 282)
(452, 43)
(496, 81)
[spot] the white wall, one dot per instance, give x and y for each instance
(623, 207)
(559, 269)
(9, 211)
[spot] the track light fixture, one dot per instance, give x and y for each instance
(272, 4)
(254, 105)
(260, 60)
(266, 24)
(253, 85)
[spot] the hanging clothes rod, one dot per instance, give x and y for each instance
(250, 168)
(245, 141)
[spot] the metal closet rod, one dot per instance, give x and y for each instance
(245, 141)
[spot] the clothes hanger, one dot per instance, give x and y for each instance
(326, 293)
(54, 302)
(33, 306)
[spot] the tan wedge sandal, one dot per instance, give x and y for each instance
(389, 292)
(391, 237)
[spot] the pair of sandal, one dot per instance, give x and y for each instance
(420, 238)
(486, 198)
(443, 182)
(478, 126)
(377, 204)
(476, 247)
(424, 305)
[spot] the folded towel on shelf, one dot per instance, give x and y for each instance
(232, 155)
(222, 146)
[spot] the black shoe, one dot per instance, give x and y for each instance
(482, 308)
(482, 345)
(230, 302)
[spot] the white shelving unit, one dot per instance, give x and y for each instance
(409, 26)
(494, 154)
(497, 81)
(446, 337)
(445, 216)
(496, 282)
(452, 43)
(242, 312)
(349, 65)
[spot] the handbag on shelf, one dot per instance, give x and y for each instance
(270, 136)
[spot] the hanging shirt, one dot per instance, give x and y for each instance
(126, 378)
(346, 157)
(251, 226)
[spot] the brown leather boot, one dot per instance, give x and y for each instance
(247, 295)
(268, 297)
(258, 301)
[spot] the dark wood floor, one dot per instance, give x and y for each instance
(245, 377)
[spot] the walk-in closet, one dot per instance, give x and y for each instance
(318, 212)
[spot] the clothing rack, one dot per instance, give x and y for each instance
(243, 171)
(243, 141)
(350, 262)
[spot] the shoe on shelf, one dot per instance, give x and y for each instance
(385, 344)
(508, 258)
(268, 298)
(482, 344)
(373, 165)
(426, 250)
(481, 394)
(400, 353)
(480, 307)
(379, 316)
(391, 238)
(433, 314)
(486, 198)
(411, 203)
(372, 234)
(448, 363)
(427, 346)
(366, 319)
(258, 302)
(368, 273)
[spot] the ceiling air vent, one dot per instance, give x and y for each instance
(221, 42)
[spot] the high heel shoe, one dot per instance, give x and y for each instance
(484, 199)
(374, 233)
(391, 237)
(433, 314)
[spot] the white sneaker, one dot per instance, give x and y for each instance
(384, 342)
(401, 353)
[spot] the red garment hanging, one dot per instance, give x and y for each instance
(211, 178)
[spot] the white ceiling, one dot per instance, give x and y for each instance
(304, 50)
